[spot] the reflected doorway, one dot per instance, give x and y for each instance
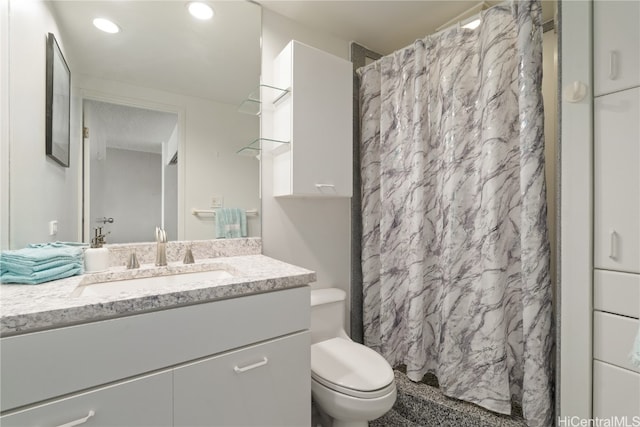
(130, 174)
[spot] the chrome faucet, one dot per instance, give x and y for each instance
(161, 250)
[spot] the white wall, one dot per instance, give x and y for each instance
(311, 233)
(41, 190)
(4, 125)
(575, 301)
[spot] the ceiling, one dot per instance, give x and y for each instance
(162, 46)
(130, 128)
(381, 26)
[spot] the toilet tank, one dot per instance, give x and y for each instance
(327, 314)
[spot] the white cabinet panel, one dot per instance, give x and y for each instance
(616, 292)
(616, 392)
(613, 338)
(616, 45)
(317, 119)
(617, 181)
(263, 385)
(146, 401)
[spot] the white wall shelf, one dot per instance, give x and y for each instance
(264, 96)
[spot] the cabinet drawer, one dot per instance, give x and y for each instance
(263, 385)
(616, 392)
(616, 292)
(145, 401)
(43, 365)
(613, 338)
(617, 181)
(616, 45)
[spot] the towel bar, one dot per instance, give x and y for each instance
(194, 211)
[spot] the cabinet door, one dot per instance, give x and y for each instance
(144, 401)
(263, 385)
(616, 45)
(616, 392)
(318, 121)
(617, 181)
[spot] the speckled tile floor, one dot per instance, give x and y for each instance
(422, 405)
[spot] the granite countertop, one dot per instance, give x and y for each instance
(28, 308)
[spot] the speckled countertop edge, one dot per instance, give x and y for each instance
(28, 308)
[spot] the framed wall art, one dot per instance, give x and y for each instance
(58, 100)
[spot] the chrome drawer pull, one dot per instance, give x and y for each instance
(613, 244)
(613, 62)
(263, 362)
(325, 186)
(79, 421)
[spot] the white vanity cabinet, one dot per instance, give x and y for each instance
(134, 370)
(316, 119)
(617, 181)
(616, 45)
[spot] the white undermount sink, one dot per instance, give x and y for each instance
(149, 283)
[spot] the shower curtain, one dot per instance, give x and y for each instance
(455, 254)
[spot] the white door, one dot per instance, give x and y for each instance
(616, 45)
(617, 181)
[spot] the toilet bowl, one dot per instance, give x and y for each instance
(350, 384)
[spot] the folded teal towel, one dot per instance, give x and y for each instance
(33, 256)
(28, 267)
(231, 222)
(58, 245)
(35, 278)
(635, 351)
(41, 263)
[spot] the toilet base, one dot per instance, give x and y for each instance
(348, 411)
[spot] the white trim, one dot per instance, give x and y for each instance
(576, 215)
(4, 125)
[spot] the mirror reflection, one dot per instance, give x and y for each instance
(164, 61)
(132, 169)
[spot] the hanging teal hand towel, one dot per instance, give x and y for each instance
(231, 223)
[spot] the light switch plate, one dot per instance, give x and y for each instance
(217, 201)
(53, 228)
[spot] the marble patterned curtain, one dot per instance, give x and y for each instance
(455, 254)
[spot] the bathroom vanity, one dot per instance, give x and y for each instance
(224, 351)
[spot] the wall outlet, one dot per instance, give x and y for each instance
(53, 227)
(217, 201)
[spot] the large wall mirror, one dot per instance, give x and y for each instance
(155, 124)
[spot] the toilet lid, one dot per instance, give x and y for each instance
(350, 365)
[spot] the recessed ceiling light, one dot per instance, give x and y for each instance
(472, 25)
(106, 25)
(200, 10)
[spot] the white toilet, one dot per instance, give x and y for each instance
(350, 383)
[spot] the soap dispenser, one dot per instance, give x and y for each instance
(96, 258)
